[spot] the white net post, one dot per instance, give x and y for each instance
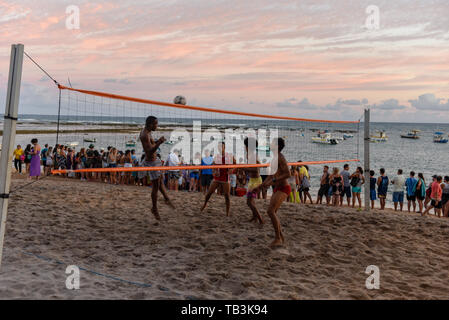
(9, 134)
(366, 164)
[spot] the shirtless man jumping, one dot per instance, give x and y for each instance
(151, 160)
(282, 189)
(221, 179)
(255, 180)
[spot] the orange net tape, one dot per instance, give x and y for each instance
(220, 166)
(179, 106)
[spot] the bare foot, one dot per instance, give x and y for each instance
(203, 207)
(156, 214)
(282, 238)
(276, 243)
(170, 204)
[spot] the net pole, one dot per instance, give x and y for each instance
(59, 117)
(366, 159)
(9, 134)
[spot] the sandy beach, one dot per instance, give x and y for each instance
(109, 231)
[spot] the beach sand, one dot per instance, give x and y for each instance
(110, 230)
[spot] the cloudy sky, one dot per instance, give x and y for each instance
(300, 58)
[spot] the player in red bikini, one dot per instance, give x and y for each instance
(221, 179)
(281, 189)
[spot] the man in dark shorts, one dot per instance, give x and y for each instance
(206, 174)
(347, 186)
(282, 189)
(150, 146)
(324, 187)
(410, 187)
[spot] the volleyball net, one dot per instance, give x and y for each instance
(104, 120)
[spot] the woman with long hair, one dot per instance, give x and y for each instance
(420, 191)
(337, 185)
(28, 156)
(357, 180)
(35, 162)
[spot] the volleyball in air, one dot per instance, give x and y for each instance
(180, 100)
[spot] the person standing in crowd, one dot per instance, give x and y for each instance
(35, 162)
(194, 174)
(347, 187)
(18, 153)
(435, 196)
(44, 156)
(398, 183)
(420, 191)
(112, 160)
(304, 183)
(173, 175)
(48, 161)
(233, 180)
(206, 174)
(293, 181)
(357, 180)
(372, 188)
(324, 187)
(445, 196)
(28, 155)
(410, 187)
(382, 188)
(337, 185)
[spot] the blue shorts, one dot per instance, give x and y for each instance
(356, 189)
(398, 196)
(194, 175)
(373, 194)
(346, 192)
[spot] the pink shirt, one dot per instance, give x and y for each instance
(436, 191)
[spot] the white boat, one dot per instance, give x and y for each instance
(380, 137)
(347, 136)
(90, 140)
(438, 138)
(73, 144)
(130, 143)
(325, 138)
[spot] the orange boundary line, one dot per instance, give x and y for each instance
(180, 106)
(220, 166)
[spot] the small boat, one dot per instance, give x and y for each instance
(413, 134)
(438, 138)
(73, 144)
(325, 138)
(90, 140)
(347, 136)
(380, 137)
(130, 143)
(169, 142)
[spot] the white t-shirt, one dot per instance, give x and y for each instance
(172, 160)
(398, 183)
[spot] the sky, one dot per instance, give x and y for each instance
(313, 59)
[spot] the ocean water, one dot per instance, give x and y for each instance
(421, 155)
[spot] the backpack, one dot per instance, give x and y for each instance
(354, 181)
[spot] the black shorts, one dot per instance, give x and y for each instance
(411, 198)
(419, 197)
(438, 206)
(324, 190)
(263, 176)
(206, 179)
(302, 189)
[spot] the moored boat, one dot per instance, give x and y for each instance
(438, 138)
(413, 134)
